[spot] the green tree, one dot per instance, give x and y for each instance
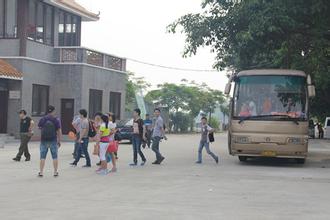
(186, 99)
(289, 34)
(214, 123)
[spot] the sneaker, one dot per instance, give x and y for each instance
(16, 159)
(27, 159)
(156, 162)
(98, 170)
(73, 164)
(133, 164)
(217, 160)
(103, 172)
(161, 160)
(143, 163)
(198, 162)
(98, 164)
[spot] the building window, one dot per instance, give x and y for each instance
(40, 23)
(68, 29)
(11, 19)
(115, 103)
(8, 18)
(61, 29)
(49, 25)
(95, 102)
(31, 29)
(40, 99)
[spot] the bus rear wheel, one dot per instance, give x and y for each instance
(242, 158)
(300, 160)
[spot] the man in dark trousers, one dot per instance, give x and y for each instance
(138, 135)
(26, 132)
(157, 134)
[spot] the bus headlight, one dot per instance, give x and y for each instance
(242, 139)
(293, 140)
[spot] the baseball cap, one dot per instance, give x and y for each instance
(50, 109)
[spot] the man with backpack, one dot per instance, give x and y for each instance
(51, 135)
(206, 138)
(85, 131)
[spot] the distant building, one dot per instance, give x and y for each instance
(42, 62)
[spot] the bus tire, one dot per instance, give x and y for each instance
(300, 160)
(242, 158)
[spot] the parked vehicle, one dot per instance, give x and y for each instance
(125, 130)
(327, 128)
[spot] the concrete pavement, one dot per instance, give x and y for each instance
(178, 189)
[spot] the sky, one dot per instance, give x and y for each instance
(137, 30)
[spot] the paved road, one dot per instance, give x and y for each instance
(178, 189)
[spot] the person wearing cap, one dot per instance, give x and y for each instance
(51, 135)
(26, 132)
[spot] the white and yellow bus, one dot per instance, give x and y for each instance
(269, 114)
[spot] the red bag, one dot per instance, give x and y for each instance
(113, 147)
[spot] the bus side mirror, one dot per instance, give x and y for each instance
(227, 88)
(311, 91)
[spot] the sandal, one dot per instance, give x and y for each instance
(55, 174)
(40, 175)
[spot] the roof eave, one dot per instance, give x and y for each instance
(84, 16)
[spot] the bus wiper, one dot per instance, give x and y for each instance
(295, 120)
(265, 116)
(253, 116)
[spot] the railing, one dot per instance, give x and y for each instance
(92, 57)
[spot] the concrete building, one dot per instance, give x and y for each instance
(42, 62)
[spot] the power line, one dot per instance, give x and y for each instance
(170, 67)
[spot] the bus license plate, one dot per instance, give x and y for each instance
(268, 153)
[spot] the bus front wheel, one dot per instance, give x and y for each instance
(300, 160)
(242, 158)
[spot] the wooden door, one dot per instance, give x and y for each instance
(67, 113)
(3, 111)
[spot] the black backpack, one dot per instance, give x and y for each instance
(211, 137)
(91, 129)
(48, 131)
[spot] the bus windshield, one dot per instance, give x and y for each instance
(280, 97)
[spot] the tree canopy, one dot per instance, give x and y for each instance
(185, 101)
(291, 34)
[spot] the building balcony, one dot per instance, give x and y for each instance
(69, 55)
(89, 56)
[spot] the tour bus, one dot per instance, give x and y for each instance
(269, 114)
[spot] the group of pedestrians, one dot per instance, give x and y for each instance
(148, 132)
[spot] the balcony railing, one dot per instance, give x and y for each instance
(92, 57)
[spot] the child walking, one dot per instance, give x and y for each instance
(205, 141)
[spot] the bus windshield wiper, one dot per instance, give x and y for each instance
(253, 116)
(265, 116)
(295, 120)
